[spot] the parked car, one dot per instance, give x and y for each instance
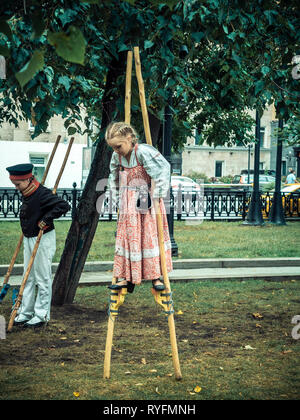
(185, 185)
(243, 179)
(290, 201)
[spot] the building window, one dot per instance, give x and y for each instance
(262, 136)
(197, 138)
(31, 127)
(283, 167)
(39, 166)
(218, 168)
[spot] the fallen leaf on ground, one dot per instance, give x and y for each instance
(257, 315)
(247, 347)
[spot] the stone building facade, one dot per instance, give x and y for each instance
(225, 161)
(17, 146)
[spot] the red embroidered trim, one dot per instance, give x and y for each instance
(32, 187)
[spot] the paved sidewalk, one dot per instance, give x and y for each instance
(100, 273)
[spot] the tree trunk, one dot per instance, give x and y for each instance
(84, 224)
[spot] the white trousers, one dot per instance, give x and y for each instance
(38, 305)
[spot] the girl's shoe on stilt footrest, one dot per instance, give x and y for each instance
(158, 287)
(121, 284)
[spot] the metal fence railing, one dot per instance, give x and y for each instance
(210, 204)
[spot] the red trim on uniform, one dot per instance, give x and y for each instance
(20, 177)
(32, 187)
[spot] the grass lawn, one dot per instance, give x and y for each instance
(234, 340)
(206, 240)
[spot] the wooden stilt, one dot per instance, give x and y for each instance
(111, 319)
(171, 322)
(108, 345)
(128, 88)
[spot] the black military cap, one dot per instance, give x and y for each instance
(21, 171)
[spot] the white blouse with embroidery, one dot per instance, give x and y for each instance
(156, 166)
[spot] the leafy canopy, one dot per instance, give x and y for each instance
(239, 55)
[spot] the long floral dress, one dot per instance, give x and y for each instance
(137, 248)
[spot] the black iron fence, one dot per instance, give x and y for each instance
(210, 204)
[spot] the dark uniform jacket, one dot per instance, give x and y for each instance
(41, 205)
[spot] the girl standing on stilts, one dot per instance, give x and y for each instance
(133, 167)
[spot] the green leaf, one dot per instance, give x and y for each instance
(197, 36)
(265, 70)
(258, 86)
(148, 44)
(35, 64)
(235, 57)
(71, 131)
(123, 47)
(225, 29)
(65, 81)
(232, 36)
(70, 46)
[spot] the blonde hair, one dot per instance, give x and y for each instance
(115, 129)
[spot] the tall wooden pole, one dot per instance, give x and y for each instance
(128, 88)
(112, 318)
(171, 322)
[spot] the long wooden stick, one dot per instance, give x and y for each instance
(50, 159)
(128, 88)
(138, 71)
(14, 257)
(35, 249)
(63, 165)
(108, 346)
(111, 319)
(171, 322)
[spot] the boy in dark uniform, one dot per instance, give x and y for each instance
(39, 208)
